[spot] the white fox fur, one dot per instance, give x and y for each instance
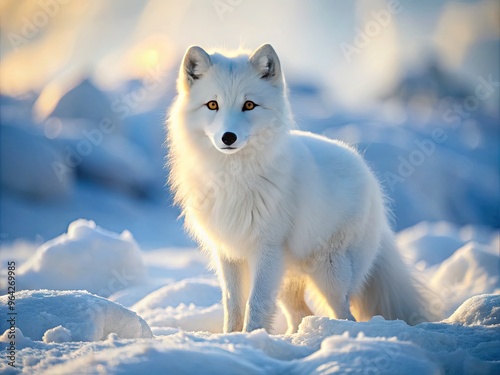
(280, 209)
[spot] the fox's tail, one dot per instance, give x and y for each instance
(392, 290)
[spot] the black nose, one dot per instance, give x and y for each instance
(229, 138)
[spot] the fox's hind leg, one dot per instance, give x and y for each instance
(293, 302)
(332, 277)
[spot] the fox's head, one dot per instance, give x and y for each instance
(233, 101)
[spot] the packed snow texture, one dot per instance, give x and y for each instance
(63, 332)
(187, 304)
(478, 310)
(60, 316)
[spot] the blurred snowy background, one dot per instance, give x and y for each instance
(85, 86)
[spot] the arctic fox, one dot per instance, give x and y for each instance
(279, 209)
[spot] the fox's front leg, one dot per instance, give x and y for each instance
(266, 268)
(231, 279)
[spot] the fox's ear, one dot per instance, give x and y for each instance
(195, 63)
(266, 62)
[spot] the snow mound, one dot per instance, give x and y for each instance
(361, 355)
(478, 310)
(129, 296)
(429, 244)
(57, 334)
(58, 316)
(190, 304)
(203, 292)
(473, 269)
(459, 349)
(86, 257)
(21, 341)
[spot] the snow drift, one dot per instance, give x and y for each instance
(61, 316)
(179, 302)
(86, 257)
(321, 346)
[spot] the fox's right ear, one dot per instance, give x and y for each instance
(195, 63)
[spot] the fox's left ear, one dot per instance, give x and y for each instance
(266, 62)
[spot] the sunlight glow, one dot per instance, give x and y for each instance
(150, 57)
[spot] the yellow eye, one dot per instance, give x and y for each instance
(249, 105)
(212, 105)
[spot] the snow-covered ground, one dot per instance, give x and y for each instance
(169, 293)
